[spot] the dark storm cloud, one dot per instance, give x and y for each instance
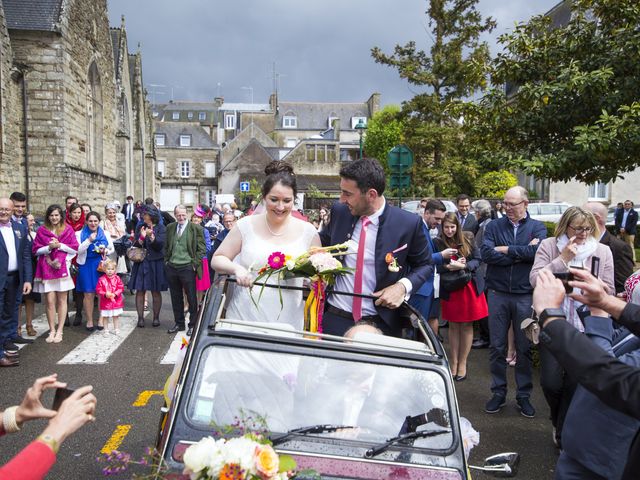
(321, 50)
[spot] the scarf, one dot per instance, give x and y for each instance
(53, 265)
(114, 229)
(77, 226)
(101, 240)
(585, 251)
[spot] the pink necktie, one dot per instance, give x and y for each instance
(357, 287)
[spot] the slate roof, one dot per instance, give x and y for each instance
(325, 183)
(190, 106)
(315, 116)
(173, 130)
(38, 15)
(115, 42)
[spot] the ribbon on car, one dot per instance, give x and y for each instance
(314, 307)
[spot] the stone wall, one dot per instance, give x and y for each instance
(12, 173)
(197, 181)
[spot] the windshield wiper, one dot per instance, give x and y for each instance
(372, 452)
(310, 429)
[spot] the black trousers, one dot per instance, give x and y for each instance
(182, 279)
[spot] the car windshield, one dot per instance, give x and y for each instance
(291, 390)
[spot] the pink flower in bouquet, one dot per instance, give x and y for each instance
(323, 261)
(276, 260)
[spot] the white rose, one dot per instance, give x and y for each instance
(216, 459)
(241, 451)
(196, 457)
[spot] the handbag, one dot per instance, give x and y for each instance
(136, 254)
(101, 267)
(453, 280)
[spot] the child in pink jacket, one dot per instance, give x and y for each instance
(109, 289)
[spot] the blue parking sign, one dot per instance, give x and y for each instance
(244, 186)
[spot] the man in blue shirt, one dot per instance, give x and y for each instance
(626, 222)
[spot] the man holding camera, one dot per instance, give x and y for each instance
(508, 249)
(614, 382)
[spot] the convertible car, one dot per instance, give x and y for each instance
(368, 407)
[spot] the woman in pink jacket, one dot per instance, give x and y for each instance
(109, 290)
(576, 244)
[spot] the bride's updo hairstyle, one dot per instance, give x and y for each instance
(279, 172)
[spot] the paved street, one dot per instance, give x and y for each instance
(122, 371)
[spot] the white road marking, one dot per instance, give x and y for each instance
(41, 326)
(171, 356)
(100, 345)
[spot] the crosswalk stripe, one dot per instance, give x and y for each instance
(99, 346)
(171, 356)
(40, 324)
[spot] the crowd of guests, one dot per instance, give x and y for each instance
(506, 252)
(79, 255)
(487, 265)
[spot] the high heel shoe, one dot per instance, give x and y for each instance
(156, 322)
(31, 331)
(58, 337)
(511, 361)
(140, 322)
(50, 338)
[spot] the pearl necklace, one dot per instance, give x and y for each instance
(271, 231)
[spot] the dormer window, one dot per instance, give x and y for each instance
(289, 121)
(330, 121)
(356, 120)
(185, 140)
(175, 115)
(160, 139)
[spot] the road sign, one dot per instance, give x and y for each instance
(400, 159)
(400, 181)
(244, 186)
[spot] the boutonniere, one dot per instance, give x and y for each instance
(392, 261)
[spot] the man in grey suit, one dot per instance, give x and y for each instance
(467, 219)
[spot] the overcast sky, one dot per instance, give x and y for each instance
(321, 50)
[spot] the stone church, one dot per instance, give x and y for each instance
(74, 117)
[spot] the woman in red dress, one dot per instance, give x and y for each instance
(466, 305)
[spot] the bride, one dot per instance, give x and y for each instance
(247, 247)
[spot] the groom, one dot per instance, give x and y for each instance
(382, 232)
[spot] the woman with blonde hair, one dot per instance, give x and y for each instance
(576, 244)
(462, 304)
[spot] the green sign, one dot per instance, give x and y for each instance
(400, 181)
(400, 159)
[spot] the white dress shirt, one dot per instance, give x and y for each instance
(10, 242)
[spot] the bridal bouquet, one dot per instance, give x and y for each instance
(249, 457)
(319, 265)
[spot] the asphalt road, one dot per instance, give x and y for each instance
(135, 367)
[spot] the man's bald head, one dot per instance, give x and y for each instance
(599, 212)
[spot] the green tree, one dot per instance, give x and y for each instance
(254, 193)
(575, 110)
(384, 131)
(452, 71)
(495, 184)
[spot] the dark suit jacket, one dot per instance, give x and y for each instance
(632, 221)
(470, 224)
(155, 249)
(23, 253)
(396, 228)
(195, 244)
(615, 383)
(622, 259)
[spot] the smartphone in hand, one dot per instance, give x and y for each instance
(60, 396)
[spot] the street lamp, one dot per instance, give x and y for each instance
(361, 127)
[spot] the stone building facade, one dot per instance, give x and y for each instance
(62, 55)
(186, 164)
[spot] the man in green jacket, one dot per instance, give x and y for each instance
(184, 250)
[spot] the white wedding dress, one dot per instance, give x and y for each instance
(253, 256)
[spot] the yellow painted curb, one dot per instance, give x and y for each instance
(116, 438)
(144, 397)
